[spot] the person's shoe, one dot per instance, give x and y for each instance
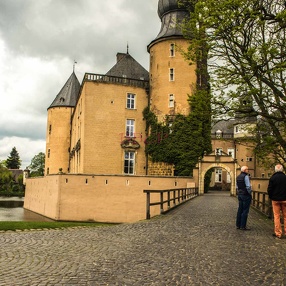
(245, 228)
(237, 227)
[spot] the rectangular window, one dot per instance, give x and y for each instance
(231, 152)
(129, 159)
(49, 153)
(228, 178)
(172, 75)
(218, 175)
(171, 100)
(248, 159)
(130, 103)
(172, 50)
(130, 128)
(218, 151)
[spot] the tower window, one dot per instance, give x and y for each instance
(172, 75)
(50, 129)
(171, 100)
(172, 50)
(130, 128)
(49, 153)
(129, 159)
(130, 102)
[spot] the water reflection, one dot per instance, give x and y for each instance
(11, 209)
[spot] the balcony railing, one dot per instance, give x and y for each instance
(222, 136)
(116, 80)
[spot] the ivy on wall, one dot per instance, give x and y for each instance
(181, 140)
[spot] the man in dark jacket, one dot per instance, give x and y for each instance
(277, 193)
(244, 198)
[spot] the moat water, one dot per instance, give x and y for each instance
(11, 209)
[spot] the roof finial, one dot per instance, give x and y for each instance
(127, 49)
(74, 62)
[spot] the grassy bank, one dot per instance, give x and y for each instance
(26, 225)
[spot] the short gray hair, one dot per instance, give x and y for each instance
(243, 168)
(279, 168)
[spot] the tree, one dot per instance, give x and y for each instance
(6, 178)
(13, 161)
(246, 49)
(37, 166)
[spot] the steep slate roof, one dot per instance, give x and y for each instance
(226, 126)
(128, 67)
(68, 94)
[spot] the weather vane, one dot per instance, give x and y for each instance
(74, 62)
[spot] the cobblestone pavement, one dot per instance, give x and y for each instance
(196, 244)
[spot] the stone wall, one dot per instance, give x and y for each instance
(101, 198)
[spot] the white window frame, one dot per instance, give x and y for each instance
(228, 178)
(171, 100)
(218, 175)
(129, 163)
(130, 100)
(130, 128)
(230, 151)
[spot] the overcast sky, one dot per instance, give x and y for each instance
(39, 42)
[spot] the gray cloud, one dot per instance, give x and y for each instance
(86, 30)
(39, 41)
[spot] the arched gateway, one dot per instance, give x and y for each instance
(215, 160)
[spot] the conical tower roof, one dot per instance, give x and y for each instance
(69, 93)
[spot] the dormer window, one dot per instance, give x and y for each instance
(62, 99)
(218, 134)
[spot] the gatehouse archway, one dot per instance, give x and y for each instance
(214, 160)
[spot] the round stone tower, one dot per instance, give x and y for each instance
(58, 134)
(172, 79)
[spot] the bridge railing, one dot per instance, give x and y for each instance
(262, 203)
(169, 199)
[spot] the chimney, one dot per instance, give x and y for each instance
(119, 56)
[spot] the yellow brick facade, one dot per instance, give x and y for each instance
(99, 124)
(170, 74)
(58, 140)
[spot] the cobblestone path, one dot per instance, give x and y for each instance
(196, 244)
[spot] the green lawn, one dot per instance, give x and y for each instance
(25, 225)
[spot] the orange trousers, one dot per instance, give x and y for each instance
(277, 207)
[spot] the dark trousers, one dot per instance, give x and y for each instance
(244, 202)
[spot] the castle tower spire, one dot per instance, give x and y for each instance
(58, 127)
(171, 16)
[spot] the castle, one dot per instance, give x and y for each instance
(98, 128)
(96, 167)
